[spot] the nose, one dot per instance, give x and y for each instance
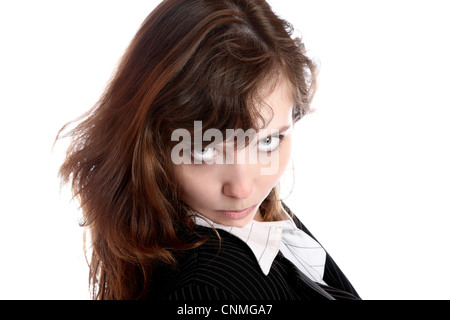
(238, 181)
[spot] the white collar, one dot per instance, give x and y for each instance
(266, 239)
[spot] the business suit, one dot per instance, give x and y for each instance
(226, 269)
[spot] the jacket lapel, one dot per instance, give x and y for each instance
(337, 283)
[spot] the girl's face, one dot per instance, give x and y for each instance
(230, 192)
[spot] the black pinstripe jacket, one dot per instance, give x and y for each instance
(227, 269)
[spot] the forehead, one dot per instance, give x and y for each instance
(275, 103)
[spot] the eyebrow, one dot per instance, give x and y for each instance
(282, 129)
(285, 128)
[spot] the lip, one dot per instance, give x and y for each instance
(238, 214)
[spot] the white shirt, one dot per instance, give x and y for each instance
(266, 239)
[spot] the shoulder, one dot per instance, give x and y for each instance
(218, 269)
(221, 268)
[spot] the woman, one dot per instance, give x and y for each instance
(176, 168)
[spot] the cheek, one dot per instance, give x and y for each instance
(285, 153)
(279, 166)
(196, 186)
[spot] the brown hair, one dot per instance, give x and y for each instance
(190, 60)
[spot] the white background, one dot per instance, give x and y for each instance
(371, 164)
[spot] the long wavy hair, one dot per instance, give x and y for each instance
(201, 60)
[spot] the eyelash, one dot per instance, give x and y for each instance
(279, 137)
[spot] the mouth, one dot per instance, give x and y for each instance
(238, 214)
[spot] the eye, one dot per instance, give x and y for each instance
(270, 143)
(205, 154)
